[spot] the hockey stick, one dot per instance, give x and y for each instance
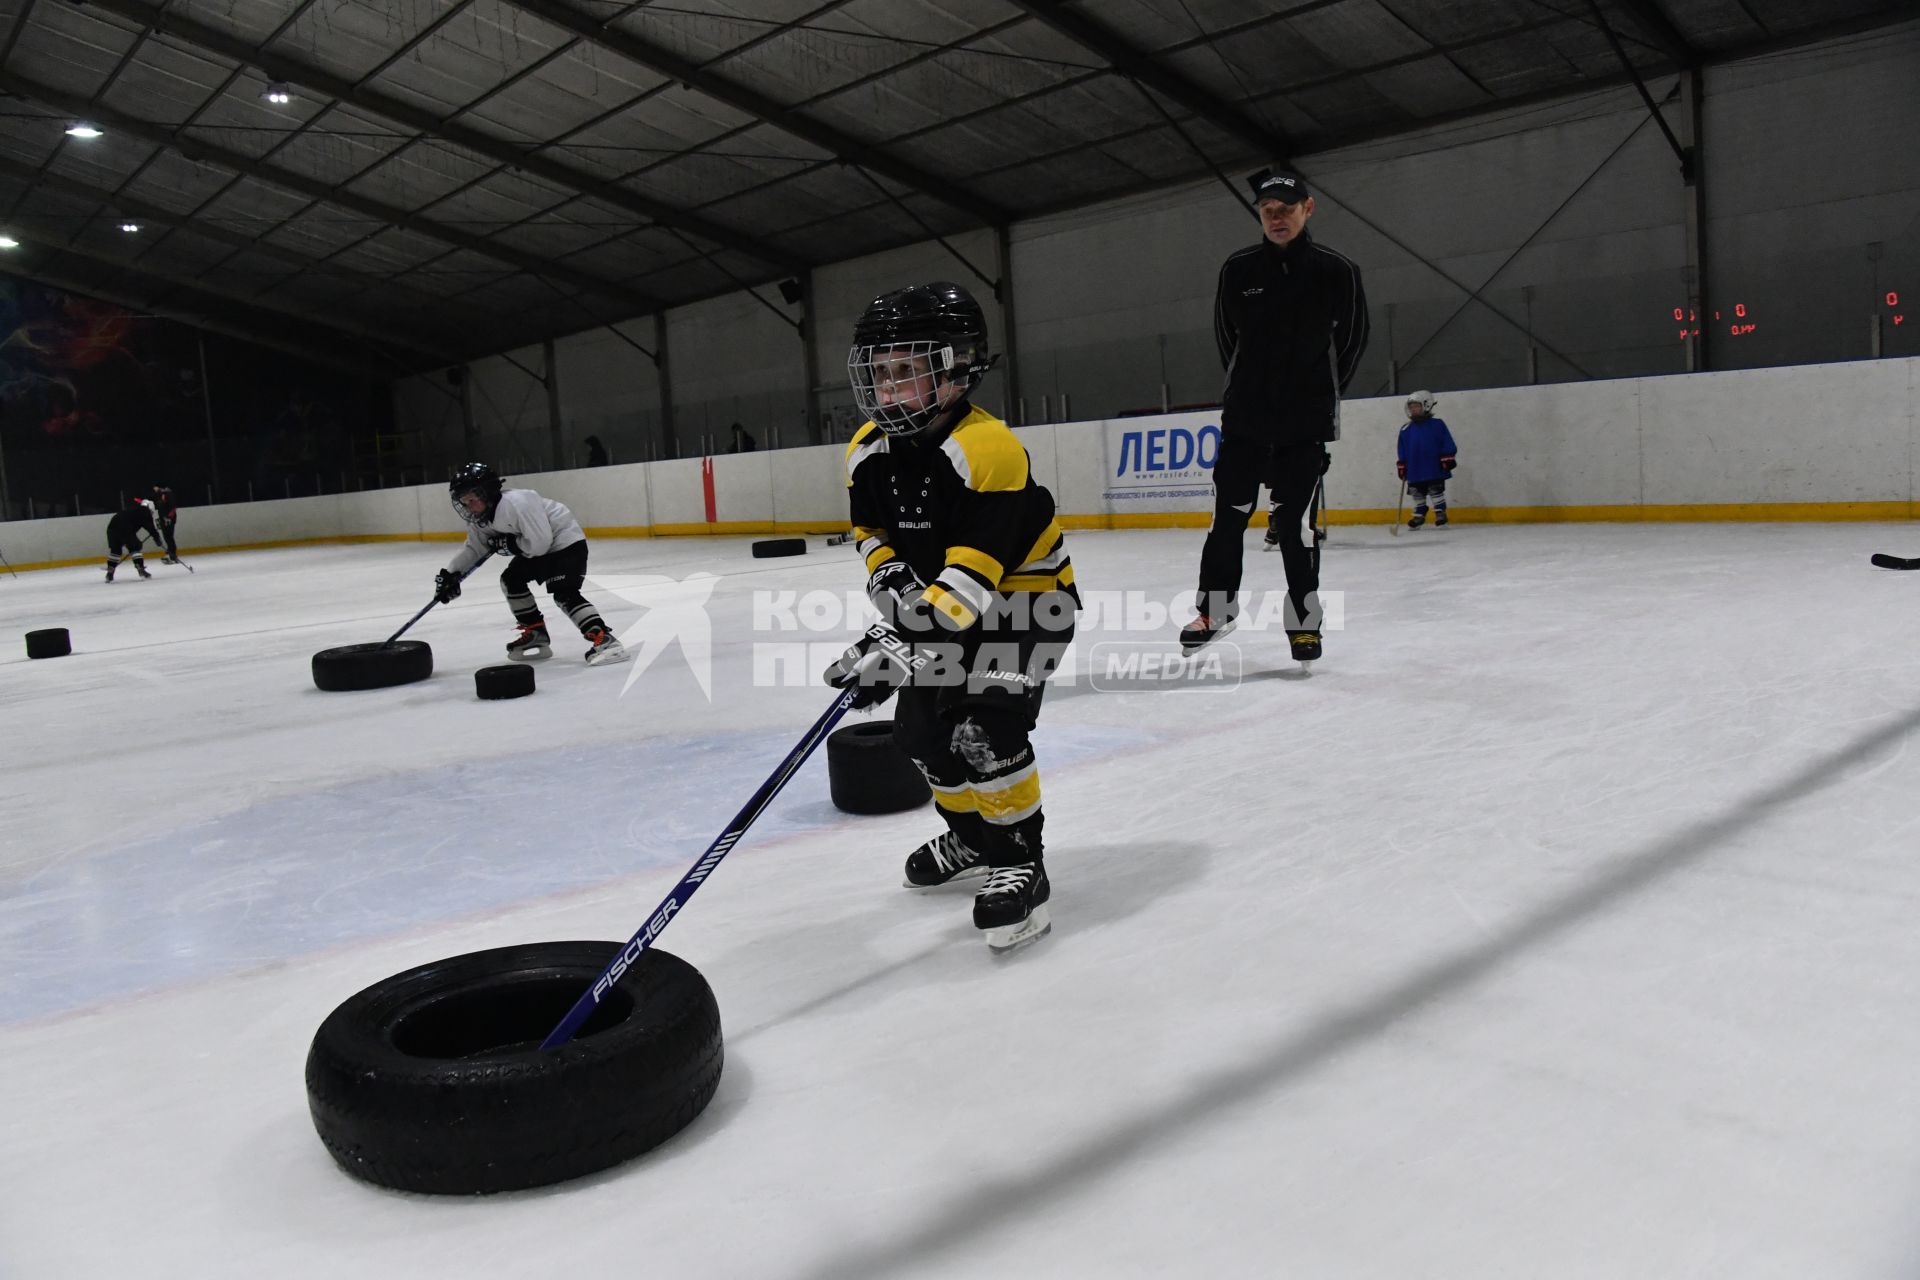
(8, 563)
(167, 557)
(697, 875)
(1894, 562)
(1399, 504)
(436, 600)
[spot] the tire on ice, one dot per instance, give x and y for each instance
(433, 1080)
(372, 666)
(767, 548)
(493, 684)
(49, 642)
(867, 772)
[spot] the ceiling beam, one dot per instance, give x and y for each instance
(292, 311)
(656, 57)
(1651, 18)
(289, 71)
(299, 184)
(45, 268)
(147, 212)
(1140, 67)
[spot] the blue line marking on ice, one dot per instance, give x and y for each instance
(298, 874)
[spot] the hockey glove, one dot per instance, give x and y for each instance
(1400, 469)
(893, 588)
(875, 665)
(446, 586)
(1447, 464)
(498, 543)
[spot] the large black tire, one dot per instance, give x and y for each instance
(767, 548)
(372, 666)
(53, 642)
(497, 683)
(434, 1079)
(868, 773)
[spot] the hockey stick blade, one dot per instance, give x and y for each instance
(697, 875)
(1885, 561)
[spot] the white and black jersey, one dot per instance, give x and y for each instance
(1291, 324)
(532, 525)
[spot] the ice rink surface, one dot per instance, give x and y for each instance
(1562, 924)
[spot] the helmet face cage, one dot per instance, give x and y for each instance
(912, 402)
(477, 478)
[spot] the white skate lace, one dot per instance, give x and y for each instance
(950, 855)
(1008, 879)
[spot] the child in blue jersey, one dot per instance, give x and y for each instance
(1426, 459)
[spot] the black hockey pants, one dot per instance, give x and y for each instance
(563, 573)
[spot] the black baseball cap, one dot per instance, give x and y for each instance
(1283, 185)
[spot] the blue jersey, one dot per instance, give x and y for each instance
(1426, 447)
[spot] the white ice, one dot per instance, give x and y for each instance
(1562, 924)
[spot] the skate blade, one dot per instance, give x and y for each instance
(1012, 937)
(958, 877)
(607, 659)
(531, 655)
(1217, 635)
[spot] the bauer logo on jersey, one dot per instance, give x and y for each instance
(674, 613)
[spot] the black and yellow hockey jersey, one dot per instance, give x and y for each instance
(961, 507)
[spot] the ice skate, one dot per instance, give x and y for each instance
(110, 568)
(1305, 645)
(1011, 908)
(1204, 630)
(606, 649)
(1419, 518)
(1271, 542)
(141, 569)
(942, 860)
(532, 643)
(1439, 517)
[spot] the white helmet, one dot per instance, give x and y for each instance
(1422, 398)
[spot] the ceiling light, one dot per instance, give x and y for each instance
(81, 129)
(8, 242)
(278, 94)
(129, 227)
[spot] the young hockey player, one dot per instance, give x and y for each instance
(547, 547)
(1426, 459)
(166, 514)
(123, 534)
(969, 571)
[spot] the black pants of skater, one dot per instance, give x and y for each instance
(563, 573)
(1292, 472)
(969, 732)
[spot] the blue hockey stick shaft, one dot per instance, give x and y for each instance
(697, 875)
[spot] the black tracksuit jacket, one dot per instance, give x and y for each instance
(1292, 325)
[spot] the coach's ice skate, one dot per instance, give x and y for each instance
(1011, 908)
(605, 649)
(1204, 630)
(532, 643)
(1305, 646)
(942, 860)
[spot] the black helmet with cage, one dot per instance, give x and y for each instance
(475, 477)
(916, 353)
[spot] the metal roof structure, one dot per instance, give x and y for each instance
(433, 180)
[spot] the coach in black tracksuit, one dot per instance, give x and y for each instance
(1291, 320)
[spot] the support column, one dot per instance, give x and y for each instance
(469, 433)
(669, 439)
(555, 435)
(810, 354)
(1699, 260)
(1003, 291)
(206, 407)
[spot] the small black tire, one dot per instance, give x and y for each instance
(767, 548)
(51, 642)
(867, 772)
(495, 684)
(372, 666)
(434, 1080)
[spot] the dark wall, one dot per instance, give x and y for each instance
(96, 401)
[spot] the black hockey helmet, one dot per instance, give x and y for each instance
(475, 477)
(941, 329)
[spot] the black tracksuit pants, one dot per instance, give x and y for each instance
(1292, 471)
